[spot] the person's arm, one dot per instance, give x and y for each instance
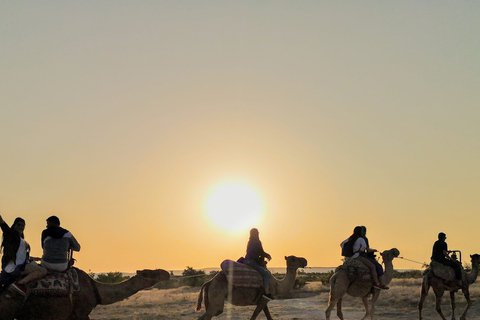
(266, 255)
(445, 250)
(74, 245)
(263, 253)
(4, 225)
(368, 249)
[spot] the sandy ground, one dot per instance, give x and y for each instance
(309, 303)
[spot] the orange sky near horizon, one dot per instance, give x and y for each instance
(121, 118)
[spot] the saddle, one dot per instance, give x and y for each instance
(442, 271)
(241, 275)
(55, 284)
(356, 269)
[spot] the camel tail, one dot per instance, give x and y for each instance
(205, 286)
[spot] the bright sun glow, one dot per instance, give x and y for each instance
(234, 207)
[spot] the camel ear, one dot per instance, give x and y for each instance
(285, 257)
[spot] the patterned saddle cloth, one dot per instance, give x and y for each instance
(442, 271)
(55, 284)
(356, 268)
(241, 275)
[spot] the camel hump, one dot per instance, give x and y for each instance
(442, 271)
(356, 268)
(241, 275)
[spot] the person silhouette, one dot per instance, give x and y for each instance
(255, 258)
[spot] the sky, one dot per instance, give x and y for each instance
(124, 117)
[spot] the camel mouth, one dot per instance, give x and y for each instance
(304, 262)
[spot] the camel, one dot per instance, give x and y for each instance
(342, 282)
(217, 291)
(439, 286)
(90, 294)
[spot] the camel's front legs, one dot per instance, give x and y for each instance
(267, 313)
(368, 309)
(466, 293)
(339, 309)
(452, 303)
(438, 305)
(262, 305)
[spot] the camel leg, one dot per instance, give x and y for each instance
(262, 304)
(466, 293)
(267, 313)
(368, 311)
(452, 303)
(214, 308)
(329, 309)
(438, 300)
(423, 296)
(338, 288)
(376, 294)
(339, 309)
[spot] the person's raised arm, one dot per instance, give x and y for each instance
(3, 225)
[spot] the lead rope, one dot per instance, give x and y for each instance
(422, 263)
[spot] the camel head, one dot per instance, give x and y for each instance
(157, 275)
(388, 255)
(295, 263)
(475, 258)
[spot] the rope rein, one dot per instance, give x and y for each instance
(422, 263)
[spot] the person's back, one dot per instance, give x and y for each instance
(440, 253)
(56, 242)
(439, 249)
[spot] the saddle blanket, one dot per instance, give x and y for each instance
(442, 271)
(356, 268)
(241, 275)
(55, 284)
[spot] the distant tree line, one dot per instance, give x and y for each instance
(196, 278)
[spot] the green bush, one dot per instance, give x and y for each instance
(323, 277)
(192, 277)
(408, 274)
(111, 277)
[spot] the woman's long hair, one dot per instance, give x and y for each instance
(357, 233)
(254, 234)
(17, 220)
(10, 245)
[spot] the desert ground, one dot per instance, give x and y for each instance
(309, 302)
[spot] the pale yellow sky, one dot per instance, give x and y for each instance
(121, 117)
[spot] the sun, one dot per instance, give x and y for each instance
(234, 207)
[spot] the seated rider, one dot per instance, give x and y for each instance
(18, 268)
(370, 255)
(440, 254)
(255, 259)
(354, 248)
(56, 244)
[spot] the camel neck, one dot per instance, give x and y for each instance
(472, 275)
(388, 272)
(287, 283)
